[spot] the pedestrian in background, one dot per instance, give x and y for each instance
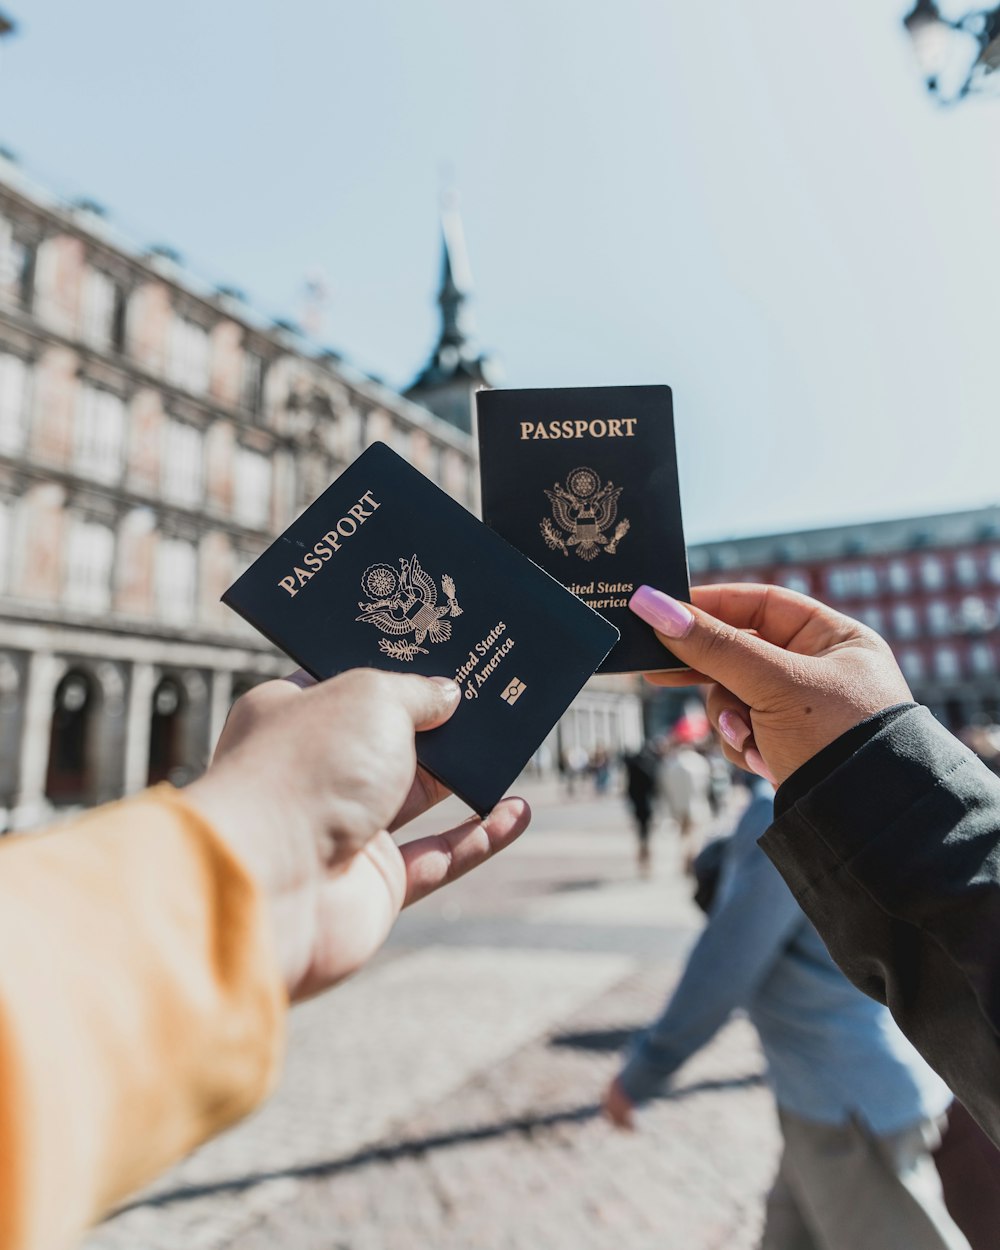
(641, 785)
(687, 780)
(577, 763)
(860, 1110)
(600, 769)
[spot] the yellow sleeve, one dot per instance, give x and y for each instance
(141, 1009)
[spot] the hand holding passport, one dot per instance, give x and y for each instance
(386, 571)
(306, 781)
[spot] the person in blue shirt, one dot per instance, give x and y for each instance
(860, 1111)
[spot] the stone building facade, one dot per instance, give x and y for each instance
(929, 585)
(154, 435)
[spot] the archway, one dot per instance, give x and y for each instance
(166, 736)
(69, 778)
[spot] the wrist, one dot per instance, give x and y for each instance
(273, 842)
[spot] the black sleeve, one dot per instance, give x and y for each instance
(894, 855)
(822, 764)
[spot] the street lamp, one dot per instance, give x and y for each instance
(933, 38)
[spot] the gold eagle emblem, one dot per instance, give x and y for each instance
(405, 601)
(584, 509)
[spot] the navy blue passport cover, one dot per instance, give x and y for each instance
(386, 571)
(583, 480)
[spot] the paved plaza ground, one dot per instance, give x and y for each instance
(447, 1098)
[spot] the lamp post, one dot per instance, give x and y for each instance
(933, 36)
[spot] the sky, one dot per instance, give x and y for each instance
(756, 203)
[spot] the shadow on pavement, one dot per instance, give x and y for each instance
(414, 1147)
(571, 887)
(603, 1040)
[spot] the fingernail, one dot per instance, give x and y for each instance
(665, 614)
(300, 678)
(734, 729)
(449, 687)
(755, 762)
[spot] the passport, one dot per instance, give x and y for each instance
(387, 571)
(583, 480)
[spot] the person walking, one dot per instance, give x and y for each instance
(641, 781)
(860, 1112)
(686, 783)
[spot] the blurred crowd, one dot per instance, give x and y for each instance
(680, 773)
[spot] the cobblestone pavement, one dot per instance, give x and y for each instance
(447, 1098)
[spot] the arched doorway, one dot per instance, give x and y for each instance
(166, 731)
(69, 778)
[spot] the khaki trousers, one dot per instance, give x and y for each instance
(839, 1187)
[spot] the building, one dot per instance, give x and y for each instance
(154, 435)
(929, 585)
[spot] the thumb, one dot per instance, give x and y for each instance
(752, 668)
(430, 701)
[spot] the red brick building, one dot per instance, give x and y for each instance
(929, 585)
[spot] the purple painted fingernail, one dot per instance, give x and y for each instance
(734, 729)
(755, 762)
(665, 614)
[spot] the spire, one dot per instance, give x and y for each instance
(456, 276)
(457, 368)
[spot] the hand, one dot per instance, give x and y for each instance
(306, 782)
(787, 674)
(618, 1107)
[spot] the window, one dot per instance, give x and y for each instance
(838, 583)
(904, 619)
(975, 616)
(399, 441)
(89, 558)
(176, 580)
(982, 659)
(189, 354)
(252, 383)
(866, 579)
(100, 433)
(182, 464)
(252, 494)
(932, 573)
(850, 580)
(103, 311)
(946, 663)
(967, 569)
(939, 617)
(13, 394)
(795, 581)
(872, 617)
(899, 577)
(17, 267)
(912, 664)
(993, 566)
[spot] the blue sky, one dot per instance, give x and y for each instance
(754, 203)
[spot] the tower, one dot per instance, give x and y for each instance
(456, 369)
